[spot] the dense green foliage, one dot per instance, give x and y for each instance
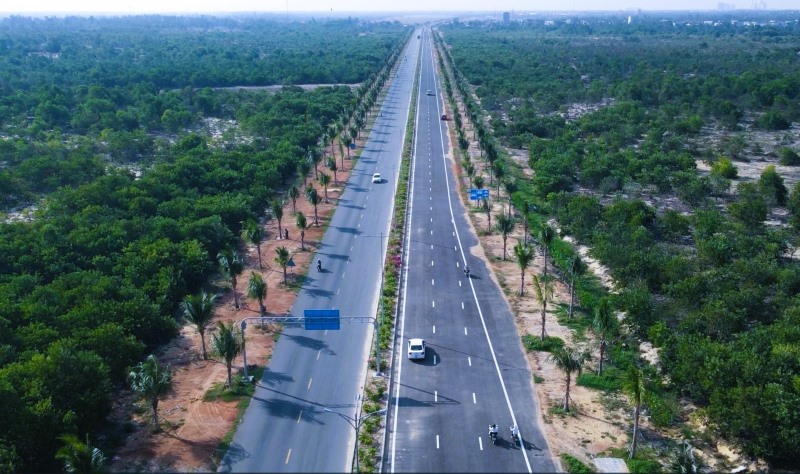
(138, 189)
(714, 287)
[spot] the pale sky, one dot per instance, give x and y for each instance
(222, 6)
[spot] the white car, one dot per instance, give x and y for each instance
(416, 348)
(430, 92)
(376, 178)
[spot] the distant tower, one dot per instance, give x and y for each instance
(506, 18)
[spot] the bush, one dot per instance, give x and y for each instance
(574, 466)
(789, 157)
(534, 343)
(644, 466)
(608, 382)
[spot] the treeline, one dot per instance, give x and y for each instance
(133, 214)
(175, 52)
(715, 288)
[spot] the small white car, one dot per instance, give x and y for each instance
(416, 348)
(430, 92)
(376, 178)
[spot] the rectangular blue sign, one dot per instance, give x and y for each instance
(321, 319)
(475, 194)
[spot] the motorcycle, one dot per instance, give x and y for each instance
(466, 271)
(319, 265)
(493, 433)
(515, 435)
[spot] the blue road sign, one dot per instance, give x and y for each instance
(475, 194)
(321, 319)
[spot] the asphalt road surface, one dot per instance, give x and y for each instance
(286, 428)
(475, 372)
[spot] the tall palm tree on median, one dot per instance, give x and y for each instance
(276, 207)
(546, 236)
(633, 384)
(282, 259)
(199, 310)
(325, 180)
(543, 291)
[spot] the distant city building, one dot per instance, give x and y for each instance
(506, 17)
(725, 6)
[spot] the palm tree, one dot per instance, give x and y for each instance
(325, 180)
(227, 344)
(293, 193)
(546, 235)
(257, 288)
(232, 266)
(314, 200)
(303, 168)
(487, 208)
(524, 256)
(348, 140)
(633, 384)
(569, 360)
(253, 233)
(605, 326)
(499, 171)
(505, 225)
(150, 381)
(576, 268)
(315, 155)
(277, 212)
(302, 225)
(79, 457)
(543, 289)
(199, 310)
(333, 167)
(283, 259)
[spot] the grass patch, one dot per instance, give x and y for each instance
(549, 344)
(610, 381)
(574, 466)
(538, 379)
(239, 390)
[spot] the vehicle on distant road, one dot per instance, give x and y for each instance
(376, 178)
(444, 117)
(430, 92)
(416, 348)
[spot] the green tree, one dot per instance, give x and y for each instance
(253, 233)
(199, 310)
(302, 225)
(282, 259)
(487, 208)
(314, 200)
(79, 457)
(505, 225)
(227, 344)
(510, 187)
(569, 360)
(303, 168)
(772, 188)
(606, 327)
(725, 168)
(151, 382)
(325, 180)
(633, 384)
(524, 256)
(232, 266)
(543, 293)
(257, 288)
(276, 207)
(293, 193)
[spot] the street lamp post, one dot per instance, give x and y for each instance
(356, 424)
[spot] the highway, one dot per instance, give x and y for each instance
(286, 428)
(475, 372)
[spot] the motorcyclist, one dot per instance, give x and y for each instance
(493, 431)
(515, 432)
(319, 265)
(466, 269)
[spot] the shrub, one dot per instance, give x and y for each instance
(608, 382)
(644, 466)
(574, 466)
(789, 157)
(534, 343)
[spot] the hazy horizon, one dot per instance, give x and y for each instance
(39, 7)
